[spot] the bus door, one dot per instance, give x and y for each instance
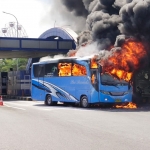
(94, 78)
(95, 83)
(41, 91)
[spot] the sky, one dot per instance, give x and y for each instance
(36, 16)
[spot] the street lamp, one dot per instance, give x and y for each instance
(15, 18)
(17, 29)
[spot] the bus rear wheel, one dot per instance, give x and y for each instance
(48, 100)
(84, 102)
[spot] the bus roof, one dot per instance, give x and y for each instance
(53, 60)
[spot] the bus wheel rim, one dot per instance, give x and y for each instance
(84, 102)
(49, 100)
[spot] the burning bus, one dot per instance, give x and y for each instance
(122, 29)
(77, 80)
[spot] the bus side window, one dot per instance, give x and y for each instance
(35, 70)
(51, 69)
(54, 70)
(41, 71)
(64, 69)
(78, 70)
(38, 70)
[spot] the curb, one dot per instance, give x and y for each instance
(17, 97)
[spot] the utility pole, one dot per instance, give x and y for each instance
(17, 28)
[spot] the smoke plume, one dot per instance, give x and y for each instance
(118, 27)
(107, 19)
(59, 15)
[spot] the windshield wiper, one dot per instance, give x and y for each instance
(109, 83)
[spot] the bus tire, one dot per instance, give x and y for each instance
(48, 100)
(84, 102)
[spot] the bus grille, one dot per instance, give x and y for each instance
(116, 93)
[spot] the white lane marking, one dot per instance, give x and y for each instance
(14, 107)
(19, 103)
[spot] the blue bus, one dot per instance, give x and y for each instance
(76, 81)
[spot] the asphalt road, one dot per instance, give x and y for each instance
(29, 125)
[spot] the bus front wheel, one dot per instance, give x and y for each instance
(84, 102)
(48, 100)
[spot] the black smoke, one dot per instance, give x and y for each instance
(135, 18)
(77, 7)
(107, 19)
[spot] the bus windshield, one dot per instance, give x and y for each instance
(108, 79)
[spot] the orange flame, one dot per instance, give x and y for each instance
(129, 105)
(78, 70)
(94, 64)
(124, 61)
(67, 69)
(64, 69)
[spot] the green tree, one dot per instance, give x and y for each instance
(6, 64)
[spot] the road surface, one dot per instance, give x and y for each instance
(30, 125)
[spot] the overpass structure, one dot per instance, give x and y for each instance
(32, 47)
(54, 41)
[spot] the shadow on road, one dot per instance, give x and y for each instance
(140, 108)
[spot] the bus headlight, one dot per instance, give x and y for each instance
(105, 92)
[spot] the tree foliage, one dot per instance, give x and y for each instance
(6, 64)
